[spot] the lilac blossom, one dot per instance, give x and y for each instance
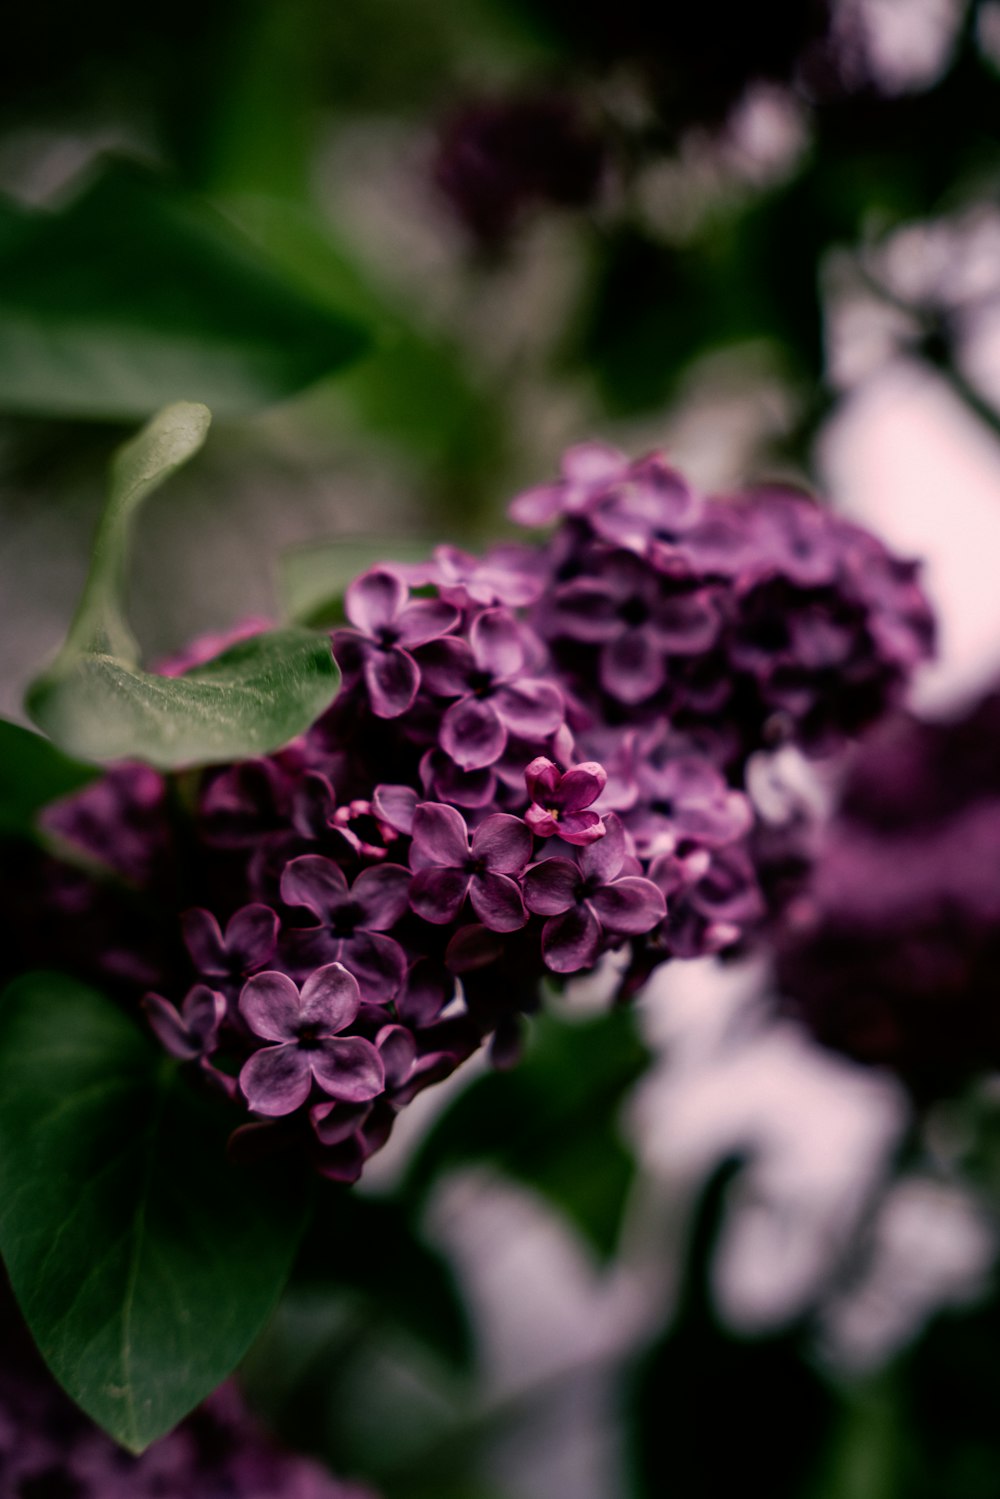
(352, 920)
(587, 472)
(192, 1031)
(584, 901)
(637, 619)
(250, 939)
(607, 689)
(495, 696)
(307, 1027)
(449, 867)
(560, 800)
(387, 628)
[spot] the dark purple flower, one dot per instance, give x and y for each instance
(120, 821)
(250, 939)
(509, 574)
(449, 868)
(647, 513)
(193, 1031)
(495, 697)
(637, 618)
(307, 1027)
(241, 803)
(352, 920)
(585, 900)
(587, 472)
(559, 800)
(683, 799)
(387, 628)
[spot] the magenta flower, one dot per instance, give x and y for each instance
(683, 799)
(449, 868)
(191, 1032)
(559, 800)
(250, 939)
(387, 628)
(637, 619)
(588, 471)
(352, 920)
(584, 901)
(307, 1027)
(495, 698)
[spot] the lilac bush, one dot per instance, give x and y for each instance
(537, 759)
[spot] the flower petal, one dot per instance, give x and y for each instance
(396, 806)
(631, 668)
(531, 708)
(473, 947)
(542, 779)
(398, 1051)
(169, 1029)
(373, 601)
(585, 609)
(631, 905)
(497, 644)
(251, 937)
(472, 734)
(349, 1069)
(204, 941)
(550, 887)
(425, 620)
(314, 882)
(330, 999)
(271, 1006)
(382, 894)
(503, 843)
(204, 1010)
(392, 678)
(602, 860)
(438, 894)
(571, 941)
(496, 900)
(378, 963)
(276, 1080)
(581, 785)
(334, 1122)
(446, 667)
(440, 837)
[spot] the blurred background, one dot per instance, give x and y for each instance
(408, 252)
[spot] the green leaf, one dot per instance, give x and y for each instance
(312, 580)
(249, 701)
(135, 294)
(97, 703)
(551, 1122)
(32, 773)
(144, 1262)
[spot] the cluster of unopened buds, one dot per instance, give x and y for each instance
(537, 758)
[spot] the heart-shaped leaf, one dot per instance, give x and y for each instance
(96, 702)
(135, 294)
(144, 1262)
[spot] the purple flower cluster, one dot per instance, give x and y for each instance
(49, 1450)
(891, 951)
(737, 620)
(536, 759)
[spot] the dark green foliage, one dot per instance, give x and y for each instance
(144, 1262)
